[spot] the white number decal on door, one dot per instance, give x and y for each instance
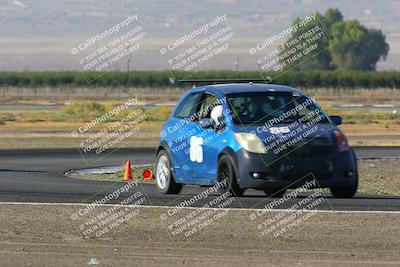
(196, 149)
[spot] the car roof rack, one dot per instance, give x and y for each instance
(219, 81)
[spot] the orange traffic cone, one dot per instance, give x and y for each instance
(128, 171)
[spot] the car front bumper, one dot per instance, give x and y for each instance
(262, 171)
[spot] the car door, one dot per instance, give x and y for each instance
(179, 130)
(205, 144)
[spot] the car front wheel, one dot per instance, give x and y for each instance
(227, 178)
(347, 191)
(344, 192)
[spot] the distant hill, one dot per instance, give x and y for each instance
(38, 35)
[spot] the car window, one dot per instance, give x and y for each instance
(208, 102)
(188, 106)
(260, 107)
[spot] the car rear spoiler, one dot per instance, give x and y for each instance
(218, 81)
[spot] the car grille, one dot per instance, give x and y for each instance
(308, 147)
(310, 151)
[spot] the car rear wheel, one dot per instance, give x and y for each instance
(226, 172)
(164, 178)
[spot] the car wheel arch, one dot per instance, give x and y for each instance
(164, 146)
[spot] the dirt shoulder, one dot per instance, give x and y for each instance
(47, 236)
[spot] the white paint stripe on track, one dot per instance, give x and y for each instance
(194, 208)
(383, 106)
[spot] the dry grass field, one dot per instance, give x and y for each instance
(45, 117)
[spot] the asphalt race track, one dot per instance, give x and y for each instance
(37, 175)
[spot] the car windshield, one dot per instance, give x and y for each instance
(256, 108)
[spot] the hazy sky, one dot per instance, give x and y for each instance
(39, 35)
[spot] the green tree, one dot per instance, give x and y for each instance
(320, 60)
(331, 16)
(354, 47)
(345, 44)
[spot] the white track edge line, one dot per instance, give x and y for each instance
(193, 208)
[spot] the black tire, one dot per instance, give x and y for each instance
(274, 192)
(226, 171)
(169, 186)
(349, 191)
(344, 192)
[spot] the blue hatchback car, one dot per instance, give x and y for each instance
(259, 136)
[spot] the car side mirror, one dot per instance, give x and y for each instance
(207, 123)
(337, 120)
(216, 114)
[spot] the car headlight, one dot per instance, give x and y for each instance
(250, 142)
